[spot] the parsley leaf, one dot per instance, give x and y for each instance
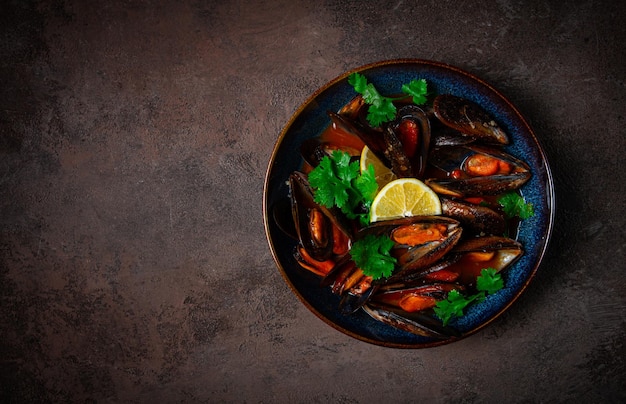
(514, 205)
(372, 255)
(488, 283)
(337, 181)
(381, 109)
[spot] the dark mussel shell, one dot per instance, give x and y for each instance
(505, 251)
(468, 118)
(349, 282)
(313, 150)
(419, 277)
(408, 160)
(477, 219)
(386, 141)
(385, 145)
(478, 185)
(400, 163)
(319, 246)
(449, 137)
(511, 249)
(418, 323)
(393, 294)
(355, 109)
(449, 159)
(372, 137)
(283, 217)
(357, 297)
(411, 258)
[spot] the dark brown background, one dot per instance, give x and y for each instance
(134, 138)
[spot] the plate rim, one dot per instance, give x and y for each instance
(550, 197)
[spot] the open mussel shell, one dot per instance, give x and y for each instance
(418, 323)
(349, 282)
(450, 159)
(412, 257)
(386, 142)
(478, 185)
(313, 150)
(313, 222)
(354, 300)
(511, 248)
(394, 294)
(469, 256)
(413, 156)
(468, 118)
(372, 137)
(418, 277)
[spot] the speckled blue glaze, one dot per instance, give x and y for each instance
(311, 119)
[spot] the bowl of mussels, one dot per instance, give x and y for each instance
(408, 203)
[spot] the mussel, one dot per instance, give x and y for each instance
(468, 118)
(411, 129)
(402, 145)
(472, 255)
(349, 282)
(313, 150)
(475, 218)
(420, 241)
(419, 297)
(419, 323)
(321, 231)
(476, 170)
(372, 137)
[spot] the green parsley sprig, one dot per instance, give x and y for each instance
(513, 204)
(381, 108)
(489, 282)
(372, 255)
(338, 181)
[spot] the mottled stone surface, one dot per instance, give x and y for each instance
(134, 138)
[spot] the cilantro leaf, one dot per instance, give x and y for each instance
(382, 109)
(358, 82)
(337, 181)
(453, 305)
(371, 95)
(372, 255)
(514, 205)
(366, 183)
(329, 188)
(417, 89)
(489, 282)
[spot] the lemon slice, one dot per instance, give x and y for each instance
(383, 174)
(404, 197)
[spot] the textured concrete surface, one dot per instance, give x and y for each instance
(134, 138)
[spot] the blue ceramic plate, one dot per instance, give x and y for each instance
(311, 119)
